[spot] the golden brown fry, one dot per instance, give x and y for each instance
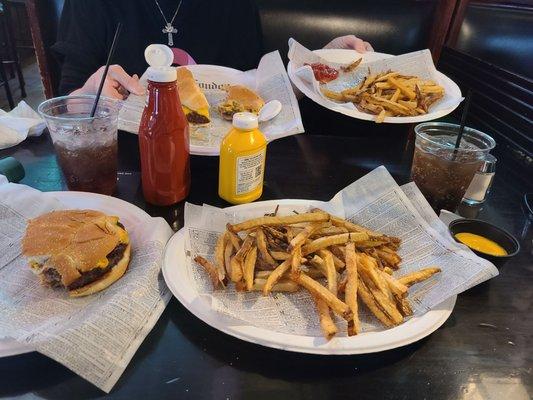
(352, 66)
(353, 227)
(366, 296)
(246, 246)
(248, 267)
(262, 246)
(280, 255)
(287, 220)
(330, 94)
(395, 95)
(382, 299)
(370, 243)
(316, 289)
(329, 231)
(404, 89)
(418, 276)
(388, 270)
(350, 292)
(301, 237)
(327, 241)
(329, 329)
(228, 252)
(381, 116)
(236, 269)
(219, 257)
(296, 259)
(404, 306)
(236, 241)
(319, 264)
(210, 269)
(397, 288)
(331, 272)
(276, 275)
(283, 285)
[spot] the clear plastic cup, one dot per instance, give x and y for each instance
(86, 146)
(441, 172)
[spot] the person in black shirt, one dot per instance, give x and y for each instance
(219, 32)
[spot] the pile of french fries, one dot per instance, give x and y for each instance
(390, 94)
(287, 253)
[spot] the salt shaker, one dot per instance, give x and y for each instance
(481, 183)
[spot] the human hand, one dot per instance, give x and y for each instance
(118, 84)
(349, 42)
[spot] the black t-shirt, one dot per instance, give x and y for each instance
(220, 32)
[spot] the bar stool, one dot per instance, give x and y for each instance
(11, 57)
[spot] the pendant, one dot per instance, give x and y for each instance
(170, 30)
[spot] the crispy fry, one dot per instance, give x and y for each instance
(248, 267)
(280, 255)
(287, 220)
(397, 288)
(384, 302)
(418, 276)
(228, 252)
(331, 272)
(370, 302)
(381, 116)
(313, 272)
(246, 246)
(276, 275)
(326, 321)
(404, 89)
(283, 285)
(315, 288)
(296, 259)
(219, 257)
(332, 95)
(236, 269)
(327, 241)
(388, 270)
(210, 269)
(301, 237)
(352, 66)
(236, 241)
(329, 231)
(350, 293)
(262, 246)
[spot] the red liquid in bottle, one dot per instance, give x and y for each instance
(164, 146)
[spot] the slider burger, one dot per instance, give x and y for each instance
(83, 251)
(240, 99)
(193, 101)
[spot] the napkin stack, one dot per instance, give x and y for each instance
(19, 123)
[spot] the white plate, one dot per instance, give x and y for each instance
(346, 56)
(128, 213)
(178, 281)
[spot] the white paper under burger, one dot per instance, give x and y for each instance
(269, 80)
(94, 336)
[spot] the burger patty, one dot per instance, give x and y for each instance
(195, 118)
(90, 276)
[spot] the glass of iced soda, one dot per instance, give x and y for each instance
(442, 172)
(86, 146)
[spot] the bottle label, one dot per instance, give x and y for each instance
(250, 170)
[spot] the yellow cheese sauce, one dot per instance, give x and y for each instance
(481, 244)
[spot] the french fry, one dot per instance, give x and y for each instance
(332, 95)
(275, 276)
(352, 66)
(280, 255)
(381, 116)
(370, 302)
(236, 241)
(315, 288)
(296, 259)
(329, 328)
(327, 241)
(395, 95)
(384, 302)
(210, 269)
(350, 292)
(397, 288)
(287, 220)
(329, 231)
(219, 257)
(236, 269)
(418, 276)
(301, 237)
(282, 286)
(262, 246)
(410, 94)
(312, 272)
(228, 252)
(388, 270)
(246, 246)
(331, 272)
(248, 267)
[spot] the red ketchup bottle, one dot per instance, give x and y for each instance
(163, 133)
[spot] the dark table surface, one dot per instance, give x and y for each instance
(483, 351)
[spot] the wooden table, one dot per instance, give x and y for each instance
(184, 358)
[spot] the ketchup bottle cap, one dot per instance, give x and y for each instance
(158, 55)
(245, 121)
(161, 74)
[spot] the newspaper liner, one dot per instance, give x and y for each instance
(94, 336)
(270, 80)
(419, 63)
(375, 201)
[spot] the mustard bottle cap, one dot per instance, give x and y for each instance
(245, 121)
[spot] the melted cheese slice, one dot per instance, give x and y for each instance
(102, 263)
(202, 111)
(123, 236)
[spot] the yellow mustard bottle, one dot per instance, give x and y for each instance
(242, 161)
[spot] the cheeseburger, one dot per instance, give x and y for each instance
(83, 251)
(240, 99)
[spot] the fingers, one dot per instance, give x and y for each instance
(368, 46)
(110, 90)
(131, 83)
(351, 42)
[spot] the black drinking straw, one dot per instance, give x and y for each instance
(463, 119)
(109, 57)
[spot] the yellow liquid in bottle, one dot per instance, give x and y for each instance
(242, 166)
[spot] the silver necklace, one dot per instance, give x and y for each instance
(169, 28)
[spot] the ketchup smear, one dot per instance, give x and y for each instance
(324, 73)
